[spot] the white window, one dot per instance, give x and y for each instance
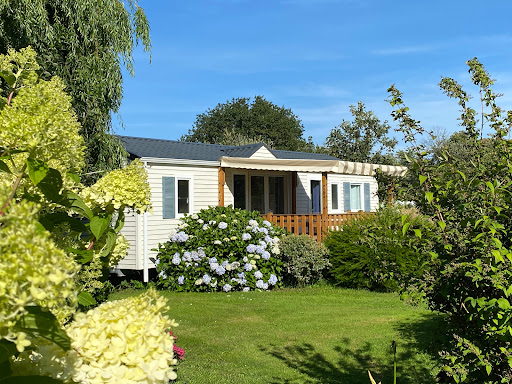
(335, 202)
(177, 195)
(356, 197)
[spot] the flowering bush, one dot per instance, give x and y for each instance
(125, 341)
(221, 249)
(55, 245)
(305, 260)
(122, 188)
(33, 271)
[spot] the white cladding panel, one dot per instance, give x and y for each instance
(130, 232)
(204, 192)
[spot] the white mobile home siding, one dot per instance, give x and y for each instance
(304, 190)
(203, 190)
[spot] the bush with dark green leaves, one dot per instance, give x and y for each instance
(374, 252)
(305, 261)
(469, 199)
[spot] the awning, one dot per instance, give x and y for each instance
(317, 166)
(297, 165)
(353, 168)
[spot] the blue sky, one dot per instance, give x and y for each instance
(316, 57)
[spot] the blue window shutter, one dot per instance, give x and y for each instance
(168, 197)
(367, 197)
(346, 197)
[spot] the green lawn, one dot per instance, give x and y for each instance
(310, 335)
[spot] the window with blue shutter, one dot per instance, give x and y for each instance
(169, 197)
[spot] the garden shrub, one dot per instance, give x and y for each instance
(304, 260)
(374, 252)
(221, 249)
(119, 341)
(53, 242)
(469, 199)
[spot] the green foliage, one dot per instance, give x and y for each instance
(240, 120)
(50, 237)
(470, 275)
(376, 252)
(305, 261)
(82, 42)
(363, 140)
(221, 248)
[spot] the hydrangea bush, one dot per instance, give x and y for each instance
(221, 249)
(55, 246)
(125, 341)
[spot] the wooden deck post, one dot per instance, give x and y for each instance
(294, 192)
(222, 181)
(324, 204)
(390, 193)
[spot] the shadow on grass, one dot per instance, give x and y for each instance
(416, 358)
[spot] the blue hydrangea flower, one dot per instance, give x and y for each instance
(205, 227)
(267, 223)
(246, 289)
(246, 236)
(181, 280)
(212, 260)
(226, 288)
(214, 266)
(201, 252)
(259, 249)
(176, 259)
(263, 244)
(251, 248)
(253, 223)
(272, 280)
(187, 256)
(241, 275)
(264, 230)
(179, 237)
(223, 225)
(268, 239)
(265, 255)
(220, 270)
(258, 275)
(206, 279)
(162, 275)
(261, 284)
(248, 267)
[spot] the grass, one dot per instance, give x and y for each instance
(306, 336)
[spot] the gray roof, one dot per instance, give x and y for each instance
(172, 149)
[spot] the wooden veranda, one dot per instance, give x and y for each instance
(313, 225)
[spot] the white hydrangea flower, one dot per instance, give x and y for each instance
(125, 341)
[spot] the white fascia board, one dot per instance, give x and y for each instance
(163, 160)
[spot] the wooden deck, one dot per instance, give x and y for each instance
(313, 225)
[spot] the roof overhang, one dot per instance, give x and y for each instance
(306, 165)
(280, 164)
(353, 168)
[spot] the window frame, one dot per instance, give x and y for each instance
(190, 195)
(339, 200)
(178, 215)
(361, 196)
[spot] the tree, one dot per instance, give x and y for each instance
(82, 42)
(259, 120)
(471, 255)
(364, 139)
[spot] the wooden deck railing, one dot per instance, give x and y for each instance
(314, 225)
